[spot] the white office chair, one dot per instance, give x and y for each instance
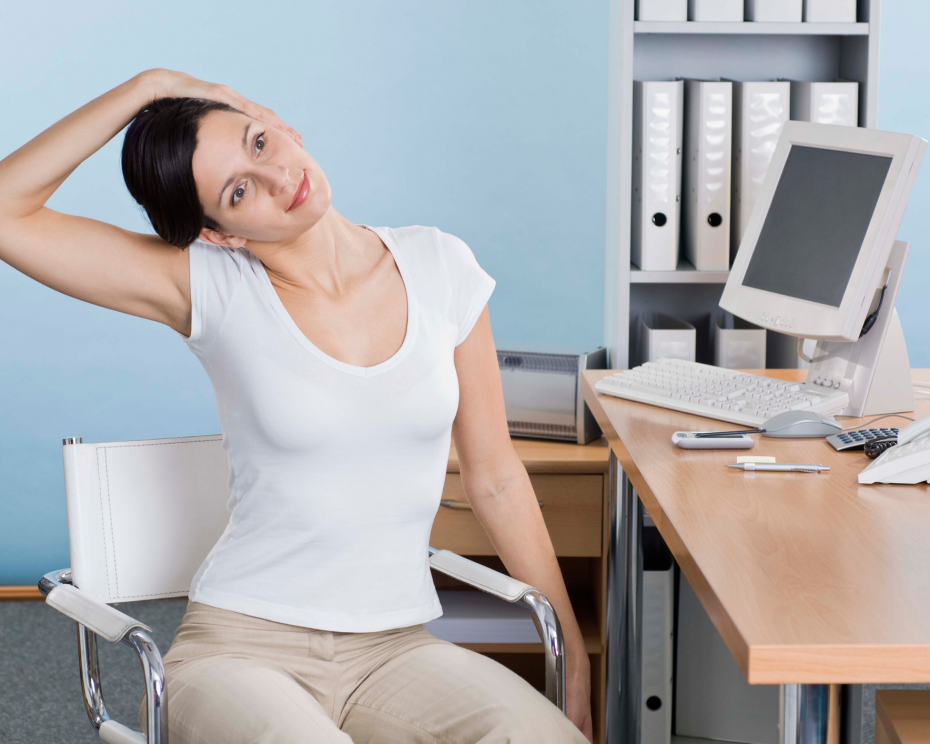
(142, 516)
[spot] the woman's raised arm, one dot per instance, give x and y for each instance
(135, 273)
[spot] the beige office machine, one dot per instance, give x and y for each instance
(542, 394)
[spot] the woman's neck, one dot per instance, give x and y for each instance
(328, 257)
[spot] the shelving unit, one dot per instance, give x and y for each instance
(739, 51)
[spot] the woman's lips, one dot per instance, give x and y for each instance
(300, 196)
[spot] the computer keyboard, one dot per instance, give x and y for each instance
(717, 393)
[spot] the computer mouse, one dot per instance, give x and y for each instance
(800, 424)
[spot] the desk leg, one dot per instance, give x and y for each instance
(804, 713)
(624, 611)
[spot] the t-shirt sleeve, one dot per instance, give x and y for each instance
(216, 273)
(471, 286)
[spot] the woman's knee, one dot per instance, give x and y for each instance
(518, 713)
(529, 718)
(456, 695)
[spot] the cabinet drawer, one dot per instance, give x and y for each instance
(572, 509)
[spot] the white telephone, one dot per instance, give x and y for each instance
(907, 462)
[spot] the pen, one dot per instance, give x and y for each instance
(784, 467)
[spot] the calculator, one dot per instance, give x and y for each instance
(857, 438)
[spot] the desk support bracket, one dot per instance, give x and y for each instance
(808, 714)
(624, 610)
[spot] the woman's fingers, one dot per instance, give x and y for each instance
(254, 110)
(173, 83)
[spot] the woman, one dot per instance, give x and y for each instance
(305, 621)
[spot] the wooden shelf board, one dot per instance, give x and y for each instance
(20, 592)
(749, 27)
(684, 274)
(544, 456)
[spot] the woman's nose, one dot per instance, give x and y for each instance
(280, 179)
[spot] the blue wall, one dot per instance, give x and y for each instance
(486, 119)
(904, 106)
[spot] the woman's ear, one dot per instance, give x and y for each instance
(220, 238)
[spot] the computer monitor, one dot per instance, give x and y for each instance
(819, 239)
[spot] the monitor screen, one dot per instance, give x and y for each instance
(816, 223)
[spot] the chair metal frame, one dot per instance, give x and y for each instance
(94, 618)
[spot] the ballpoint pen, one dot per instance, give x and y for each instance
(783, 467)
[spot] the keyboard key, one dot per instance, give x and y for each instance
(651, 390)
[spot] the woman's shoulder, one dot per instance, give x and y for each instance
(215, 275)
(214, 252)
(430, 248)
(416, 236)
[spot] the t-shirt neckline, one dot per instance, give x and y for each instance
(285, 317)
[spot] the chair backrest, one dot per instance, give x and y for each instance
(143, 515)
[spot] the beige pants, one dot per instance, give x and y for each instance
(235, 678)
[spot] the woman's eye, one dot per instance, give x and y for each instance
(260, 139)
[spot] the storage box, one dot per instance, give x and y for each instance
(715, 10)
(826, 103)
(712, 698)
(658, 109)
(661, 10)
(662, 336)
(760, 110)
(830, 11)
(738, 344)
(658, 639)
(774, 11)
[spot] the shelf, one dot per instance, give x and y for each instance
(684, 274)
(587, 622)
(749, 27)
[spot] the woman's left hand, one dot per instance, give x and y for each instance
(164, 83)
(578, 698)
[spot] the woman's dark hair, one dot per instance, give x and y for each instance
(157, 165)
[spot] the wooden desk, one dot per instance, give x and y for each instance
(809, 578)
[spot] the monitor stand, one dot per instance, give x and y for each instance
(875, 370)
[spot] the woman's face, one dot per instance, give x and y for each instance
(247, 175)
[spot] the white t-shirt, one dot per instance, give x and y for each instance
(335, 470)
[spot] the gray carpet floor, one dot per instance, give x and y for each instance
(40, 686)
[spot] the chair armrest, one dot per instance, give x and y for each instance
(104, 620)
(479, 576)
(98, 618)
(508, 588)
